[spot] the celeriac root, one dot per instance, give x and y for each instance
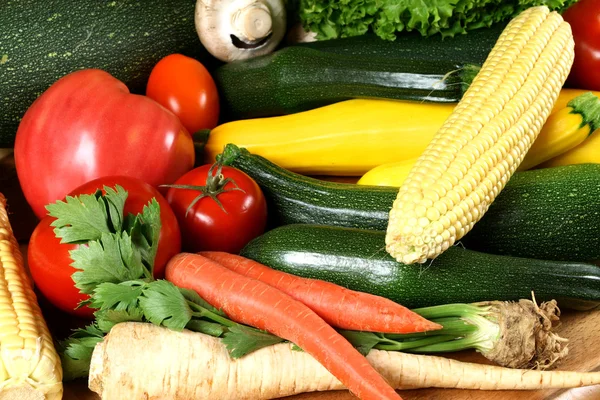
(144, 361)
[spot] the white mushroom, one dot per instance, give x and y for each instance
(240, 29)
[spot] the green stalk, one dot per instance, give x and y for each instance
(202, 312)
(450, 310)
(464, 326)
(453, 326)
(415, 345)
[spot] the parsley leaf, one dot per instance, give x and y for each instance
(113, 258)
(144, 230)
(76, 351)
(241, 340)
(86, 217)
(208, 328)
(163, 304)
(106, 319)
(195, 298)
(121, 296)
(115, 203)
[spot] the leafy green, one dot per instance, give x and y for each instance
(106, 319)
(144, 229)
(163, 304)
(208, 328)
(114, 264)
(76, 352)
(117, 296)
(86, 217)
(363, 341)
(241, 340)
(331, 19)
(110, 259)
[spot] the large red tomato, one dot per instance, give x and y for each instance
(225, 218)
(49, 260)
(584, 17)
(184, 86)
(88, 125)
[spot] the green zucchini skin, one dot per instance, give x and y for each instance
(551, 213)
(294, 198)
(302, 77)
(356, 259)
(43, 41)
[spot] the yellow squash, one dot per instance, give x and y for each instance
(565, 129)
(586, 153)
(344, 139)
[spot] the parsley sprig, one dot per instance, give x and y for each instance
(115, 262)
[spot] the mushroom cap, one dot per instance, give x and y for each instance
(240, 29)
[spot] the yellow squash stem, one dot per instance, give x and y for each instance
(29, 365)
(486, 137)
(564, 130)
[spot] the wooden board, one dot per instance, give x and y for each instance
(581, 328)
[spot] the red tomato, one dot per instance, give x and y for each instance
(184, 86)
(49, 260)
(207, 226)
(88, 125)
(584, 17)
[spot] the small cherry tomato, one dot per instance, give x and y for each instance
(584, 17)
(219, 208)
(184, 86)
(49, 260)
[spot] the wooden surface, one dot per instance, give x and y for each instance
(581, 328)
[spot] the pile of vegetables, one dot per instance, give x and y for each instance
(182, 225)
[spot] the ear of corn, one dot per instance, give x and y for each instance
(481, 144)
(29, 365)
(564, 130)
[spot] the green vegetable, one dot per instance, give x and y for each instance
(512, 334)
(40, 43)
(115, 269)
(294, 198)
(550, 213)
(331, 19)
(299, 78)
(357, 259)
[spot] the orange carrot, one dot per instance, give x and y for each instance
(338, 306)
(255, 303)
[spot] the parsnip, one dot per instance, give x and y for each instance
(141, 361)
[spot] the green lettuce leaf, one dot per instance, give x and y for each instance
(331, 19)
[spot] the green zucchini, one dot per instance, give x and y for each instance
(42, 41)
(302, 77)
(294, 198)
(551, 213)
(356, 259)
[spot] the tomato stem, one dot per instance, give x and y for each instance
(215, 185)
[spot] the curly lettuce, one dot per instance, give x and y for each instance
(331, 19)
